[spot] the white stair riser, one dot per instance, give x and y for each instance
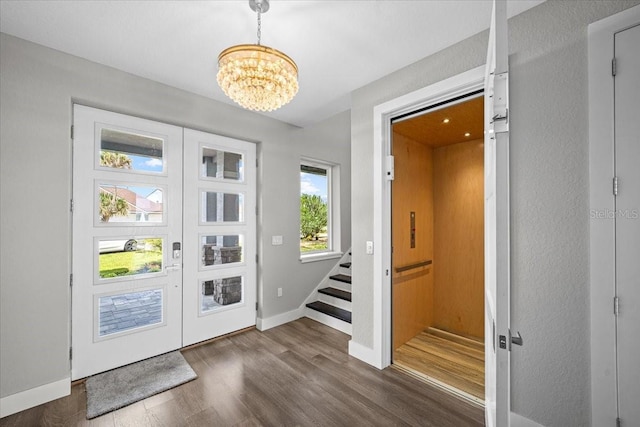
(328, 320)
(338, 285)
(336, 302)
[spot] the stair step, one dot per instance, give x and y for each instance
(346, 265)
(341, 278)
(331, 310)
(338, 293)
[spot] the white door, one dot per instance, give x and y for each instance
(219, 235)
(497, 336)
(627, 159)
(127, 215)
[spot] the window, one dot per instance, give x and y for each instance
(319, 210)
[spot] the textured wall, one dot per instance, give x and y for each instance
(549, 198)
(37, 88)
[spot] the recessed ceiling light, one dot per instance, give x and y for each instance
(445, 121)
(467, 134)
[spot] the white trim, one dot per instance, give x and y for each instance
(334, 223)
(461, 84)
(602, 231)
(520, 421)
(262, 324)
(366, 354)
(319, 256)
(34, 397)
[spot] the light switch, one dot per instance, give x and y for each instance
(276, 240)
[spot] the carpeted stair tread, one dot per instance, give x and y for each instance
(346, 265)
(338, 293)
(331, 310)
(341, 278)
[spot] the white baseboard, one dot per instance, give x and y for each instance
(34, 397)
(363, 353)
(278, 319)
(520, 421)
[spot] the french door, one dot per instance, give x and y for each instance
(134, 284)
(219, 235)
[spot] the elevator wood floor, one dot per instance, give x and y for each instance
(446, 359)
(298, 374)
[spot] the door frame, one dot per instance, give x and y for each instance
(459, 85)
(602, 230)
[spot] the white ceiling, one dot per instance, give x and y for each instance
(338, 45)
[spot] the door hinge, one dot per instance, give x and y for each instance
(71, 279)
(616, 306)
(614, 67)
(70, 353)
(256, 162)
(256, 258)
(256, 210)
(71, 205)
(71, 131)
(618, 422)
(256, 305)
(615, 185)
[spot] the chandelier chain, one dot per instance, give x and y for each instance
(259, 12)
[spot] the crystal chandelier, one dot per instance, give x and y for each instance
(257, 77)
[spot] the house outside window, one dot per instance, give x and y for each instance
(319, 210)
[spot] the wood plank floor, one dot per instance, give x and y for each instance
(455, 361)
(298, 374)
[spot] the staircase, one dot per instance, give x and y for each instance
(333, 304)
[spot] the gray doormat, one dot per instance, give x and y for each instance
(120, 387)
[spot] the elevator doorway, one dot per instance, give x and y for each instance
(438, 246)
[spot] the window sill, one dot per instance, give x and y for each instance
(320, 256)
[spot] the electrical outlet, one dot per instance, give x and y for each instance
(276, 240)
(279, 292)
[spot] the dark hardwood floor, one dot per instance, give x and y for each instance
(298, 374)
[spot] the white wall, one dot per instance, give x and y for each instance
(549, 199)
(37, 88)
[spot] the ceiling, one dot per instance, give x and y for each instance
(446, 126)
(339, 45)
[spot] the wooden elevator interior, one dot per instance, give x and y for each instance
(438, 217)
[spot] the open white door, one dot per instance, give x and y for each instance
(496, 180)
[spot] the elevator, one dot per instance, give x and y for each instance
(438, 246)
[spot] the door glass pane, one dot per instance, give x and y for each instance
(123, 312)
(221, 292)
(222, 207)
(124, 203)
(129, 257)
(222, 250)
(222, 164)
(129, 151)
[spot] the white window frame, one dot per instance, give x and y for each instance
(333, 211)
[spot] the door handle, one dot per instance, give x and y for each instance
(517, 340)
(173, 267)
